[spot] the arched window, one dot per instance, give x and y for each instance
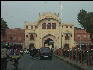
(31, 37)
(31, 27)
(26, 27)
(35, 27)
(66, 37)
(27, 36)
(70, 26)
(53, 25)
(44, 26)
(49, 26)
(66, 26)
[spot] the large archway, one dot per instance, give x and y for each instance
(49, 42)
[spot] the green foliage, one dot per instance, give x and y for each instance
(86, 20)
(4, 26)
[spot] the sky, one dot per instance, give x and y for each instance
(15, 13)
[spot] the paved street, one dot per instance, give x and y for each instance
(29, 63)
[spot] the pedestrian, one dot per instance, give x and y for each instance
(34, 52)
(4, 55)
(14, 52)
(17, 52)
(8, 53)
(51, 50)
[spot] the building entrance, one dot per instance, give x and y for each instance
(31, 46)
(66, 46)
(49, 43)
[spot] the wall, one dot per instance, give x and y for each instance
(41, 33)
(68, 30)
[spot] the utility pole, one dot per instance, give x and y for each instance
(80, 44)
(81, 60)
(61, 23)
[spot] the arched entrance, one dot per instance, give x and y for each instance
(49, 42)
(66, 46)
(31, 46)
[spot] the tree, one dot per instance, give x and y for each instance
(4, 26)
(86, 20)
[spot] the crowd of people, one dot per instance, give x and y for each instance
(6, 52)
(4, 55)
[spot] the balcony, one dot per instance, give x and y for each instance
(32, 36)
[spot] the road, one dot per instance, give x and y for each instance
(28, 63)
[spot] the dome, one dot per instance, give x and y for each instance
(49, 15)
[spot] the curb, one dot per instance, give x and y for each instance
(74, 65)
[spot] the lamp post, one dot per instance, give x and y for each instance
(80, 43)
(81, 60)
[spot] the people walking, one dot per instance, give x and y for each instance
(4, 55)
(17, 52)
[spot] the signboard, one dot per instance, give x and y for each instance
(51, 42)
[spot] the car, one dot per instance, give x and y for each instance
(45, 52)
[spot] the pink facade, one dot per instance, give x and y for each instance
(16, 35)
(81, 36)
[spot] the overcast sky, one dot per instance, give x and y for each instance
(15, 13)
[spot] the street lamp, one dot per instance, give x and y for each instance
(80, 42)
